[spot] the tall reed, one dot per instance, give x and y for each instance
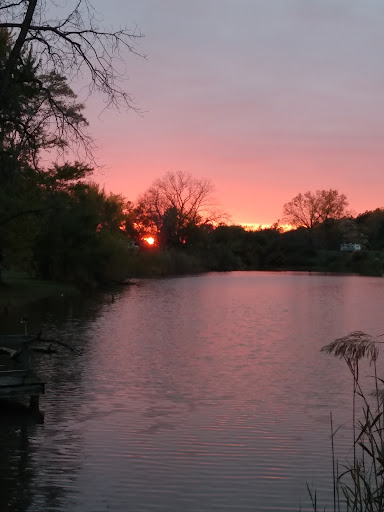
(358, 485)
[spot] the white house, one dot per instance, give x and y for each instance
(350, 247)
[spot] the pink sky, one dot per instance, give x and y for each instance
(267, 98)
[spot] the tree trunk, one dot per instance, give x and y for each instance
(17, 47)
(2, 282)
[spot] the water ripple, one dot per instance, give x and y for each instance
(196, 394)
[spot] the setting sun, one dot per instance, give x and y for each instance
(150, 240)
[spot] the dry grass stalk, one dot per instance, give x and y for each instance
(360, 486)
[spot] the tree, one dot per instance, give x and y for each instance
(32, 120)
(371, 224)
(311, 209)
(44, 46)
(83, 239)
(174, 205)
(66, 41)
(69, 41)
(28, 202)
(41, 113)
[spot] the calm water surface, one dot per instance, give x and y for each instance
(204, 393)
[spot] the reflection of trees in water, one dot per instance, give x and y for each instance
(61, 318)
(56, 312)
(16, 454)
(35, 461)
(57, 463)
(59, 455)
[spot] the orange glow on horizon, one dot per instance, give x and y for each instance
(256, 227)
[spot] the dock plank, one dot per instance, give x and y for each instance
(21, 391)
(15, 339)
(16, 376)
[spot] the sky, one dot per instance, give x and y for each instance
(266, 98)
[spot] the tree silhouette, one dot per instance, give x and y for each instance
(312, 208)
(174, 205)
(70, 41)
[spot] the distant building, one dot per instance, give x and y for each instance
(131, 244)
(350, 247)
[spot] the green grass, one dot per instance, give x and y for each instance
(20, 289)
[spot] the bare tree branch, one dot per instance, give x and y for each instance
(9, 6)
(311, 209)
(73, 45)
(16, 50)
(176, 204)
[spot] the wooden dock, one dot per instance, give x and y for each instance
(16, 376)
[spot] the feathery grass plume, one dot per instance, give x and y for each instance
(360, 485)
(353, 347)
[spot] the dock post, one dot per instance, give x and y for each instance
(34, 402)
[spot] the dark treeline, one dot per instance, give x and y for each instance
(225, 248)
(316, 249)
(86, 236)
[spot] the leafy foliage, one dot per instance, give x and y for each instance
(57, 223)
(38, 113)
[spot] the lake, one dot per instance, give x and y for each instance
(201, 393)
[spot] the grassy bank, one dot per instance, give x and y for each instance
(20, 289)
